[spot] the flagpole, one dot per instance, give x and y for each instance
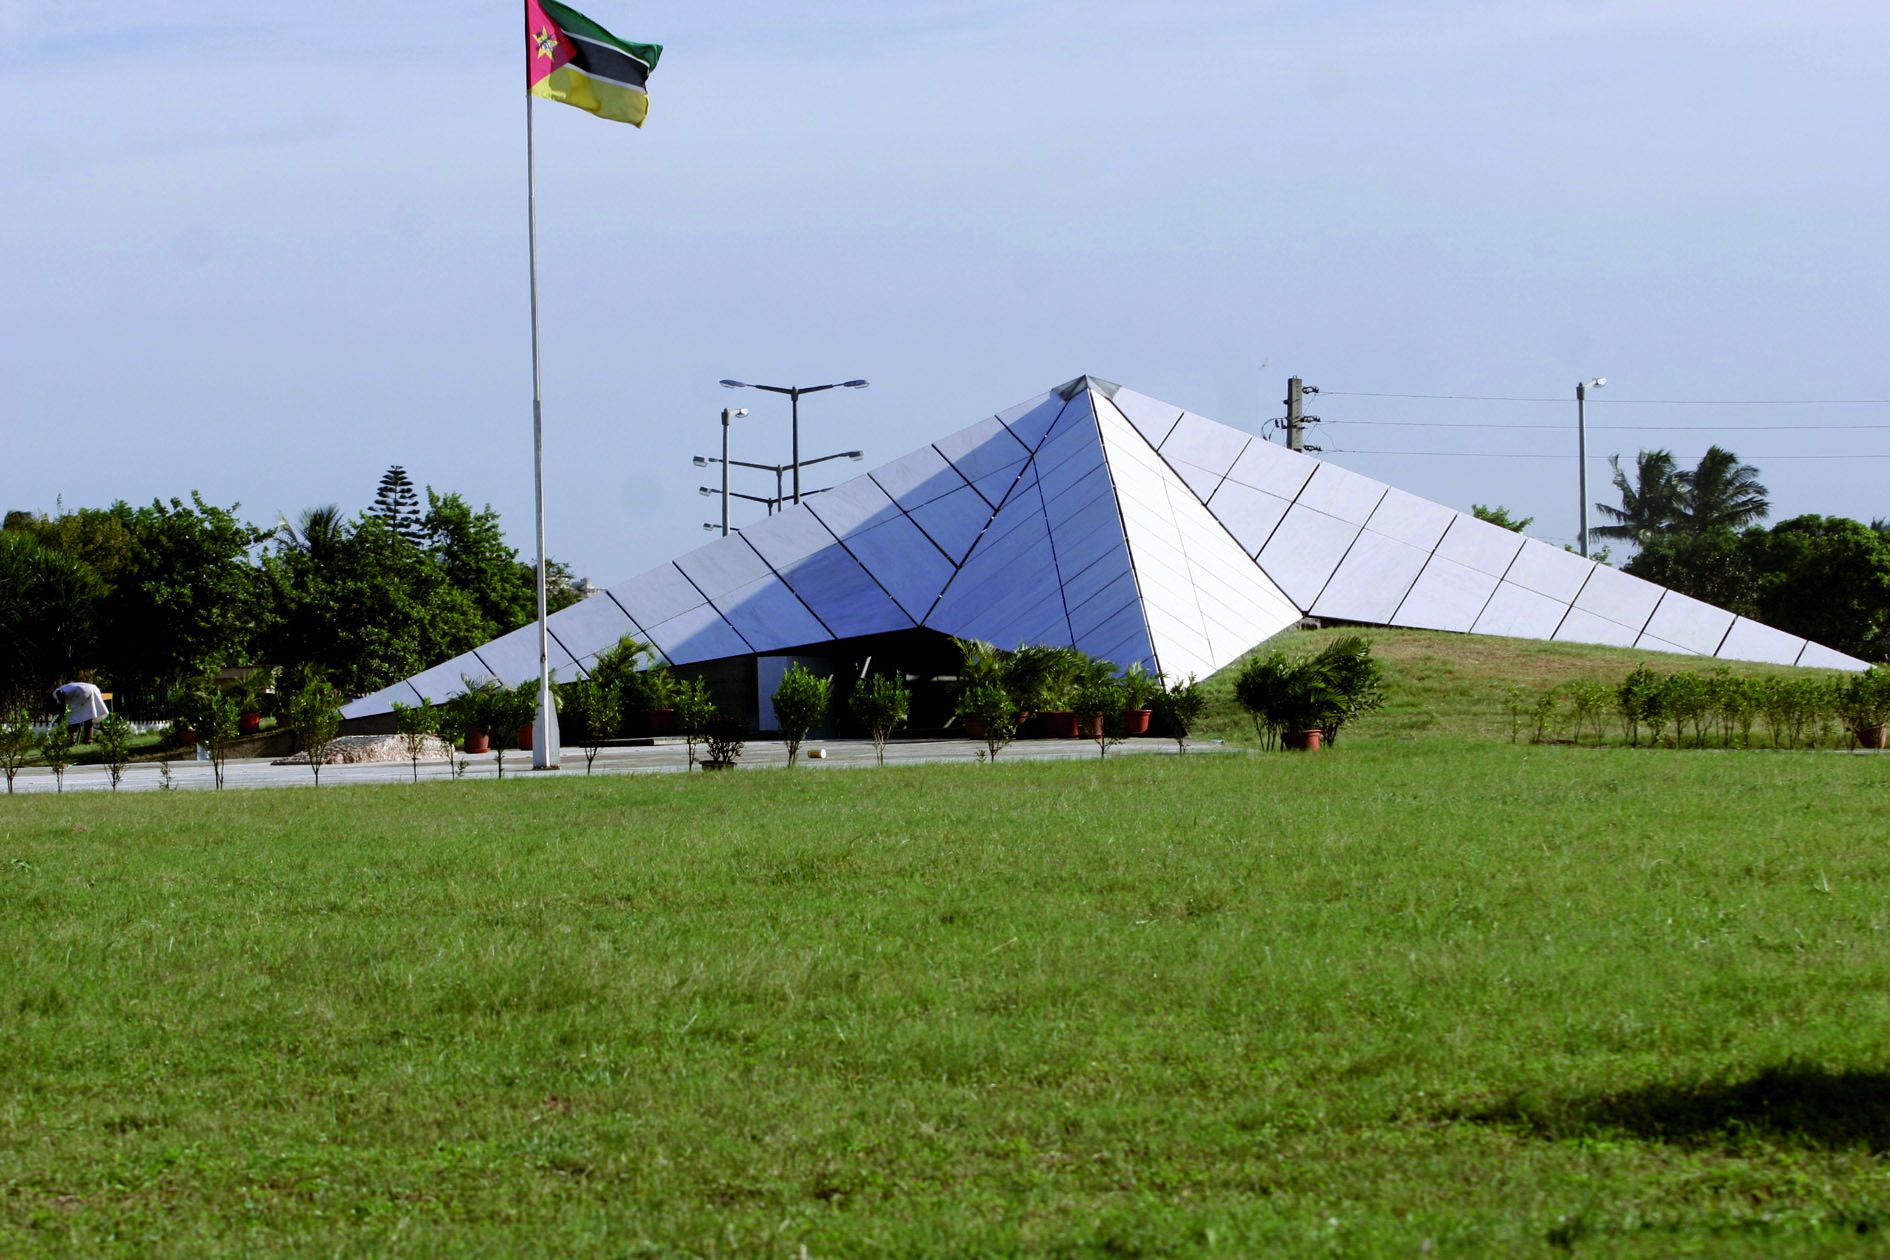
(545, 724)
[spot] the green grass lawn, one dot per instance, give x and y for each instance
(1410, 994)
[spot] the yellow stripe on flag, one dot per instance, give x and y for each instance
(605, 99)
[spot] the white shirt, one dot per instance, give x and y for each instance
(83, 701)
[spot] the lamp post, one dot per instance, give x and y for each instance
(794, 393)
(1581, 447)
(780, 499)
(727, 416)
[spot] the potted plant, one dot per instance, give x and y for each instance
(650, 694)
(726, 737)
(1261, 688)
(1354, 682)
(525, 702)
(253, 694)
(1045, 681)
(980, 665)
(473, 707)
(1139, 689)
(1865, 706)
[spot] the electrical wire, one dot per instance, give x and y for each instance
(1556, 428)
(1342, 450)
(1616, 402)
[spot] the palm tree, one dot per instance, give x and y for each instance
(1653, 502)
(314, 530)
(1722, 493)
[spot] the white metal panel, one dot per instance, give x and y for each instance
(1549, 571)
(1446, 596)
(769, 615)
(698, 634)
(1029, 421)
(591, 626)
(1250, 515)
(1304, 551)
(1520, 614)
(787, 537)
(1620, 597)
(382, 701)
(905, 562)
(1693, 624)
(656, 595)
(1752, 641)
(1153, 419)
(1480, 545)
(448, 678)
(1410, 520)
(954, 521)
(917, 478)
(1202, 451)
(1818, 656)
(852, 505)
(1648, 643)
(982, 449)
(1585, 627)
(1343, 493)
(1371, 581)
(513, 657)
(1273, 469)
(726, 563)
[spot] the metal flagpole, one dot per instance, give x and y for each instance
(545, 722)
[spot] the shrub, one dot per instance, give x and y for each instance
(726, 737)
(1588, 700)
(1865, 700)
(1542, 713)
(990, 705)
(881, 704)
(315, 713)
(114, 745)
(588, 716)
(1353, 682)
(694, 711)
(1178, 708)
(17, 744)
(1139, 687)
(1099, 702)
(1638, 701)
(55, 747)
(800, 704)
(1262, 687)
(1685, 700)
(510, 710)
(414, 724)
(1043, 679)
(215, 714)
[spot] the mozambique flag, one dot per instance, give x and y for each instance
(572, 59)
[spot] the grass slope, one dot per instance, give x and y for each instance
(1453, 684)
(1404, 996)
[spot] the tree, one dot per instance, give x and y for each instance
(800, 704)
(317, 529)
(48, 603)
(1499, 516)
(315, 713)
(214, 713)
(989, 706)
(1826, 578)
(881, 704)
(185, 601)
(1712, 565)
(695, 710)
(1721, 493)
(1652, 502)
(397, 505)
(470, 548)
(416, 724)
(55, 746)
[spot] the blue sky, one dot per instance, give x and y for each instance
(264, 253)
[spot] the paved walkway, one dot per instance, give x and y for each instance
(662, 758)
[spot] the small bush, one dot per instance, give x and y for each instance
(881, 704)
(800, 704)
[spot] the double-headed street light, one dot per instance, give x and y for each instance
(1581, 446)
(794, 393)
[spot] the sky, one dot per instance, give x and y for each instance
(263, 251)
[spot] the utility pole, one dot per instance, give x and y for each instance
(1296, 418)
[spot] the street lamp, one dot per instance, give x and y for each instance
(702, 461)
(780, 499)
(1581, 446)
(794, 393)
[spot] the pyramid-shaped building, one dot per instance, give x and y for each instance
(1133, 529)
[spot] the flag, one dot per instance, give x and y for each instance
(572, 59)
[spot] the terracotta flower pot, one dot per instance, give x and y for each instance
(1877, 736)
(525, 737)
(976, 728)
(660, 721)
(248, 723)
(476, 742)
(1058, 724)
(1135, 721)
(1089, 726)
(1305, 741)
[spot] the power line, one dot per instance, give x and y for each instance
(1338, 450)
(1552, 428)
(1635, 402)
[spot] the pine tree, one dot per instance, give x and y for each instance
(398, 504)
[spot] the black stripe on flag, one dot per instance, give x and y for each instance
(609, 63)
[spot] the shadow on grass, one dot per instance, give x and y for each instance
(1793, 1104)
